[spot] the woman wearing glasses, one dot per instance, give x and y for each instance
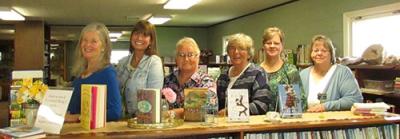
(187, 75)
(278, 71)
(142, 68)
(244, 75)
(329, 86)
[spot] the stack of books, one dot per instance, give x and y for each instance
(22, 132)
(369, 109)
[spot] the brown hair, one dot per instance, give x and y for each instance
(147, 29)
(327, 44)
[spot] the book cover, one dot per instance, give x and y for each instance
(21, 131)
(195, 98)
(289, 101)
(238, 105)
(149, 106)
(93, 106)
(50, 116)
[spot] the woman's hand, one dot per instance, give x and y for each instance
(317, 108)
(71, 118)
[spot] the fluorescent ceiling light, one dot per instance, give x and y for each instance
(115, 34)
(157, 20)
(10, 14)
(180, 4)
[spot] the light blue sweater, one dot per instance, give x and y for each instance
(342, 89)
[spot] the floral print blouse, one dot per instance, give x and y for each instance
(197, 80)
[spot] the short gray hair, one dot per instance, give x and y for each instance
(188, 40)
(244, 41)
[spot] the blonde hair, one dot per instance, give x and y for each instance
(271, 32)
(81, 63)
(244, 41)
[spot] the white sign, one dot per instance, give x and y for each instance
(238, 105)
(51, 112)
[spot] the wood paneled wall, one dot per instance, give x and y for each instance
(29, 45)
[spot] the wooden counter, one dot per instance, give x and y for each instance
(309, 122)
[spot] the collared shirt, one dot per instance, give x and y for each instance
(197, 80)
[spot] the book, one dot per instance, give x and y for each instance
(50, 116)
(195, 99)
(289, 101)
(22, 132)
(149, 106)
(238, 105)
(93, 106)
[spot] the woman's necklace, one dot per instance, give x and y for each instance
(135, 61)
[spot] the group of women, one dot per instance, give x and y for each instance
(325, 86)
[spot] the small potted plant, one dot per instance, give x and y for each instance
(30, 95)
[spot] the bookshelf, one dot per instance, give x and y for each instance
(380, 73)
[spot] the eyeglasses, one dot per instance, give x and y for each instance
(188, 55)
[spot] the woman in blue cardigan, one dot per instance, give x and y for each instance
(329, 86)
(92, 66)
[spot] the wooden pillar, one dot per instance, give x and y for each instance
(29, 45)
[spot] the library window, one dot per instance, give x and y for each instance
(383, 30)
(378, 25)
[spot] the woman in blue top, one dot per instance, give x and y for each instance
(142, 68)
(328, 86)
(92, 66)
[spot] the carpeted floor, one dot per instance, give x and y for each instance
(3, 114)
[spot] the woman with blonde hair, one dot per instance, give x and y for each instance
(92, 66)
(278, 70)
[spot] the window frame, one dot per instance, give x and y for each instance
(349, 17)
